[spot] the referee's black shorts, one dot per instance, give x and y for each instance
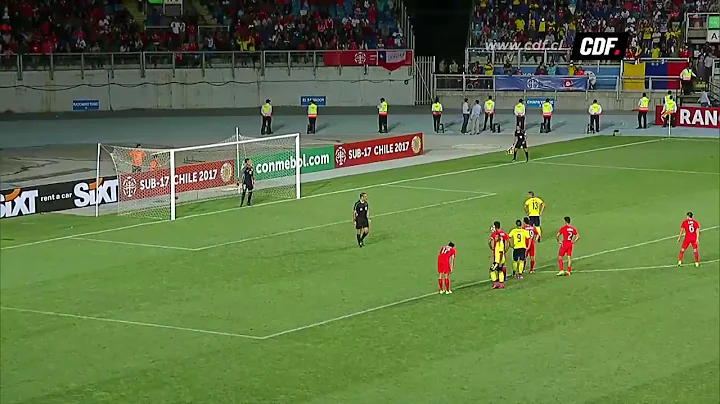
(534, 220)
(362, 223)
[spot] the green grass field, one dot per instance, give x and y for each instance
(276, 304)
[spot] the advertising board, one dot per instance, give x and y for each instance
(381, 149)
(57, 197)
(693, 117)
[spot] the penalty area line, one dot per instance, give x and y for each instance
(128, 243)
(582, 271)
(445, 174)
(128, 322)
(463, 286)
(460, 191)
(654, 170)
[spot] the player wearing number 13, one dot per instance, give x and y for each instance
(566, 237)
(518, 241)
(534, 208)
(690, 228)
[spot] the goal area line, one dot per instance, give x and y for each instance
(355, 189)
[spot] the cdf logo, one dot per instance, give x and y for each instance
(600, 46)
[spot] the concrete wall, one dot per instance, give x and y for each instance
(564, 101)
(190, 89)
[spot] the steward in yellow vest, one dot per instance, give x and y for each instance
(382, 116)
(266, 112)
(547, 111)
(643, 106)
(437, 109)
(489, 108)
(312, 117)
(520, 114)
(595, 110)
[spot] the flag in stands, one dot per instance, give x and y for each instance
(350, 58)
(394, 59)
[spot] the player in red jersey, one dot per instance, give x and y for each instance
(690, 228)
(566, 237)
(533, 236)
(499, 243)
(445, 265)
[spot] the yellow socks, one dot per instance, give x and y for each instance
(493, 275)
(521, 266)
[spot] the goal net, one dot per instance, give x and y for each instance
(205, 174)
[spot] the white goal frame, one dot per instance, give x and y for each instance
(239, 142)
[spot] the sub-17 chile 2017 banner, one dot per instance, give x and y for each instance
(192, 177)
(381, 149)
(540, 83)
(283, 164)
(693, 117)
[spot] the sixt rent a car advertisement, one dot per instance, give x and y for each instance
(56, 197)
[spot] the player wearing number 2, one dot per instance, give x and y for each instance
(690, 228)
(534, 208)
(445, 265)
(566, 237)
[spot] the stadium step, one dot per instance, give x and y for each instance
(204, 13)
(138, 15)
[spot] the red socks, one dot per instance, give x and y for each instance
(447, 283)
(532, 266)
(697, 256)
(440, 284)
(680, 256)
(560, 263)
(505, 272)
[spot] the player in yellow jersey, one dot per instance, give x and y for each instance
(534, 208)
(518, 241)
(498, 243)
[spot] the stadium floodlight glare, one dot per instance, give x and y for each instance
(200, 174)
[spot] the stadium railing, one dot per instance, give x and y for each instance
(526, 57)
(143, 61)
(463, 83)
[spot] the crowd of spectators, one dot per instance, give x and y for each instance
(654, 25)
(81, 26)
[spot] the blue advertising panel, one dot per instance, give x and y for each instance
(319, 100)
(537, 102)
(86, 105)
(541, 83)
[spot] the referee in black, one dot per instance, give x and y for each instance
(247, 181)
(520, 143)
(361, 219)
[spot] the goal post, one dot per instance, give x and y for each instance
(207, 174)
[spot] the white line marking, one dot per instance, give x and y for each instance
(657, 170)
(468, 170)
(467, 285)
(332, 320)
(345, 222)
(632, 268)
(460, 191)
(137, 323)
(164, 247)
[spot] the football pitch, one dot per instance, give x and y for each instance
(277, 304)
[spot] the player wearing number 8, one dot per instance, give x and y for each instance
(534, 208)
(566, 237)
(690, 228)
